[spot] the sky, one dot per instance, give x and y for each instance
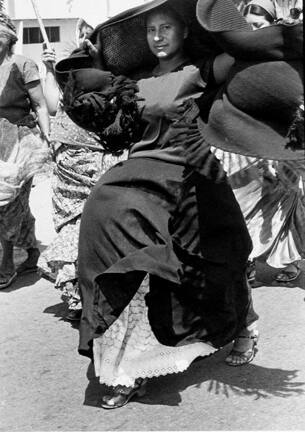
(96, 10)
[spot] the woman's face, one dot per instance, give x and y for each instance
(257, 21)
(165, 35)
(4, 45)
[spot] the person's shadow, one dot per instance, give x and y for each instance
(22, 281)
(60, 310)
(250, 380)
(266, 275)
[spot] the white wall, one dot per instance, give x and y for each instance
(63, 13)
(63, 48)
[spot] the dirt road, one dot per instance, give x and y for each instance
(46, 386)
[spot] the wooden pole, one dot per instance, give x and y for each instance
(41, 25)
(108, 8)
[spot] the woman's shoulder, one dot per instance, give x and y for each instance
(21, 60)
(27, 67)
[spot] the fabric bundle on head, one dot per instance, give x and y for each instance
(267, 5)
(99, 102)
(7, 28)
(258, 112)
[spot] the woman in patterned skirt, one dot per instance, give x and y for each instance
(79, 161)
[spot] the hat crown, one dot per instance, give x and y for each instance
(269, 90)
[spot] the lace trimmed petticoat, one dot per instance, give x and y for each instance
(129, 350)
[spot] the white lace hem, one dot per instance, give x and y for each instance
(129, 350)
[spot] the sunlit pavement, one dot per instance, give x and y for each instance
(46, 386)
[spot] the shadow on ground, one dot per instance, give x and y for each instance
(250, 380)
(266, 275)
(22, 281)
(27, 279)
(60, 310)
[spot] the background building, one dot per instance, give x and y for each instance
(60, 18)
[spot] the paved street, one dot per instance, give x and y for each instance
(46, 386)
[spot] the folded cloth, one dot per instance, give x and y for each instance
(106, 105)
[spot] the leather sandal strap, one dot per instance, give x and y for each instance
(247, 337)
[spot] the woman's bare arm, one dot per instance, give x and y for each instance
(40, 107)
(51, 89)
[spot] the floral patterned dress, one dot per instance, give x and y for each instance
(79, 161)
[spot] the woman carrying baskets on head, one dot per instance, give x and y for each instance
(157, 212)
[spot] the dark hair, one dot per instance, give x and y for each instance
(11, 43)
(258, 10)
(7, 22)
(167, 9)
(5, 19)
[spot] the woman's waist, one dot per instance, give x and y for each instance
(144, 172)
(158, 144)
(172, 155)
(67, 132)
(19, 119)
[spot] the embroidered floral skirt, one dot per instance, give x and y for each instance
(75, 172)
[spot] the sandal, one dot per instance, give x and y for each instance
(121, 395)
(74, 315)
(239, 358)
(7, 280)
(286, 275)
(30, 264)
(251, 275)
(24, 269)
(251, 271)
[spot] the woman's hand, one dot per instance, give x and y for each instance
(92, 49)
(51, 89)
(48, 58)
(94, 52)
(175, 114)
(45, 140)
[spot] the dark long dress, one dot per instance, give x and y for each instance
(190, 236)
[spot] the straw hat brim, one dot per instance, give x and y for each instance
(124, 49)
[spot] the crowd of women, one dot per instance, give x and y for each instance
(177, 149)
